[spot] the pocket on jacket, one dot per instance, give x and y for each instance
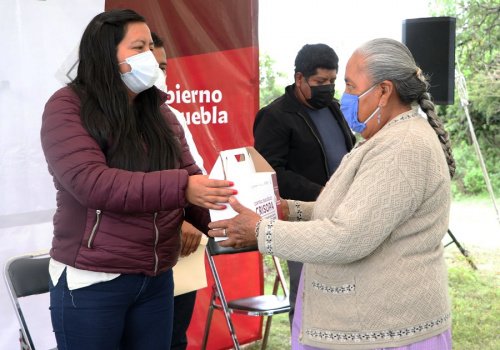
(91, 227)
(334, 294)
(330, 280)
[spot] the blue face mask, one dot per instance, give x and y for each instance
(349, 107)
(143, 73)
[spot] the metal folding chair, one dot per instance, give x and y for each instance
(25, 276)
(259, 305)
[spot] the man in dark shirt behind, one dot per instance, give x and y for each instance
(303, 134)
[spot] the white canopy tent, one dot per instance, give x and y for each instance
(33, 55)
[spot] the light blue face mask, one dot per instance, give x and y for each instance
(143, 73)
(349, 107)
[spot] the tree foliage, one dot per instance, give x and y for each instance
(478, 58)
(269, 85)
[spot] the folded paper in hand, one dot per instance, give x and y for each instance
(189, 272)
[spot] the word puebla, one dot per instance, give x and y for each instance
(203, 115)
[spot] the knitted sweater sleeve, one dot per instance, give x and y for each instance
(378, 197)
(299, 211)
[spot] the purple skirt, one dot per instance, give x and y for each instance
(439, 342)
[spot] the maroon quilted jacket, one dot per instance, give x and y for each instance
(108, 219)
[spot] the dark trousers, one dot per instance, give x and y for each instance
(294, 270)
(130, 312)
(183, 310)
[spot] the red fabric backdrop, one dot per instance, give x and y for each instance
(213, 78)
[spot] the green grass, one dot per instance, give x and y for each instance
(475, 297)
(475, 304)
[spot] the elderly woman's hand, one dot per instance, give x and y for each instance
(240, 230)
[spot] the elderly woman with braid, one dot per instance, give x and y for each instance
(374, 275)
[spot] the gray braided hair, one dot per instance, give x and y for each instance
(388, 59)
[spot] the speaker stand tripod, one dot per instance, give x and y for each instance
(464, 251)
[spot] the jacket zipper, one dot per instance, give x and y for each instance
(94, 229)
(156, 242)
(320, 145)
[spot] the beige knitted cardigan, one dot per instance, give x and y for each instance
(374, 273)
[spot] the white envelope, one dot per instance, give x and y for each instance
(189, 272)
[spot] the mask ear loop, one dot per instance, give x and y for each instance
(379, 107)
(372, 115)
(367, 91)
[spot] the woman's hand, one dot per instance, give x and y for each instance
(190, 238)
(208, 193)
(240, 230)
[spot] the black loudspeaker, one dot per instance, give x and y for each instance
(432, 43)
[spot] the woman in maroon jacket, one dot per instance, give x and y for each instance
(125, 181)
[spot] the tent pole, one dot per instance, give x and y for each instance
(464, 101)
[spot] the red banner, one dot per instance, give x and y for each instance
(220, 108)
(213, 79)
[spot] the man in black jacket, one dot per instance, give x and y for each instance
(303, 134)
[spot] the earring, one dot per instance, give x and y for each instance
(379, 115)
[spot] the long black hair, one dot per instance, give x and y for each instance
(133, 136)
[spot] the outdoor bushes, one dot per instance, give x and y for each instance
(469, 179)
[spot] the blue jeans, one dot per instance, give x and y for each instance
(183, 311)
(130, 312)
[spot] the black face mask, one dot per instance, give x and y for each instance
(321, 96)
